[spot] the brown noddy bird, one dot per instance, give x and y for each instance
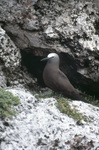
(56, 80)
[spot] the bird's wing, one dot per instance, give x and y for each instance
(64, 83)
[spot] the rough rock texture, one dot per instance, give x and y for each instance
(70, 27)
(30, 29)
(40, 126)
(9, 57)
(10, 64)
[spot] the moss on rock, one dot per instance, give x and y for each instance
(7, 101)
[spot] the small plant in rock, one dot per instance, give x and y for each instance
(43, 95)
(92, 100)
(7, 101)
(64, 107)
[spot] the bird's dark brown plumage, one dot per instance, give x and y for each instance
(55, 79)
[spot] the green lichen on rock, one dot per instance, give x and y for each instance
(42, 95)
(64, 106)
(92, 100)
(7, 102)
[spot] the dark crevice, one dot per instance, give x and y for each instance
(70, 66)
(96, 25)
(33, 65)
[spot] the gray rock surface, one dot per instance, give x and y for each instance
(40, 126)
(9, 53)
(11, 72)
(69, 27)
(39, 27)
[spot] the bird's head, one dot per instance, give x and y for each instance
(52, 58)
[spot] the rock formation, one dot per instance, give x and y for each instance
(29, 30)
(67, 27)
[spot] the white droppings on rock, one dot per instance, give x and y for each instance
(40, 125)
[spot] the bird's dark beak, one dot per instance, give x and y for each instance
(45, 59)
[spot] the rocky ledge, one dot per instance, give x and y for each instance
(40, 125)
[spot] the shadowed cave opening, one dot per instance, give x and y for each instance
(33, 65)
(67, 64)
